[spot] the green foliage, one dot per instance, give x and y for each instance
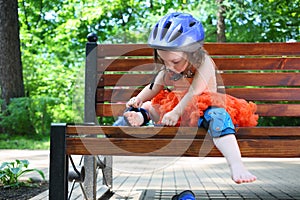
(279, 121)
(106, 120)
(10, 172)
(53, 36)
(15, 118)
(28, 115)
(52, 45)
(262, 21)
(28, 141)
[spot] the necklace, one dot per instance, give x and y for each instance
(187, 73)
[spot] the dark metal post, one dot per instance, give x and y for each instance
(90, 80)
(90, 183)
(58, 184)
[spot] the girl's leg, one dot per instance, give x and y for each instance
(229, 148)
(220, 127)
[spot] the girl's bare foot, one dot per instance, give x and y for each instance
(134, 118)
(240, 174)
(229, 147)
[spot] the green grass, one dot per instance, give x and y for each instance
(24, 142)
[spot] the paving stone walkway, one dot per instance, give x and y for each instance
(159, 178)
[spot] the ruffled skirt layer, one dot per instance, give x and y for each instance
(241, 112)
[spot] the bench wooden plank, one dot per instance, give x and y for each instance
(262, 48)
(124, 79)
(259, 63)
(111, 50)
(178, 132)
(106, 50)
(232, 79)
(131, 64)
(265, 94)
(261, 79)
(146, 64)
(252, 94)
(288, 110)
(178, 147)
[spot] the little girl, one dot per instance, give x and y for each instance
(193, 100)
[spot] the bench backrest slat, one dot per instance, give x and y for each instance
(270, 109)
(267, 73)
(145, 64)
(252, 94)
(242, 79)
(280, 49)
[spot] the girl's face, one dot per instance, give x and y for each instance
(174, 60)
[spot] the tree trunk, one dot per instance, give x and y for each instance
(221, 22)
(11, 76)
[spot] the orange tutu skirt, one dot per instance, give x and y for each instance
(241, 112)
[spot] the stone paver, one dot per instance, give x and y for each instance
(160, 178)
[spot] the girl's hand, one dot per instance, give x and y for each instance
(170, 118)
(134, 102)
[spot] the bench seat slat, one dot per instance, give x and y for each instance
(146, 64)
(182, 132)
(288, 110)
(178, 147)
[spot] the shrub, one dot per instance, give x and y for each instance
(26, 115)
(10, 172)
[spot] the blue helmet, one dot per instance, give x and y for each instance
(177, 32)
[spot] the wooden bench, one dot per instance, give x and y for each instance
(266, 73)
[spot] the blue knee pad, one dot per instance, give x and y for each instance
(217, 122)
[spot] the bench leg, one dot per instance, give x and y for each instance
(58, 182)
(107, 172)
(90, 181)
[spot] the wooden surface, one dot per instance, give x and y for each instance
(252, 94)
(248, 63)
(270, 109)
(232, 79)
(179, 147)
(182, 132)
(213, 49)
(179, 141)
(266, 73)
(159, 178)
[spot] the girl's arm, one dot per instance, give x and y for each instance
(201, 81)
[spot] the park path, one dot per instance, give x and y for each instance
(151, 178)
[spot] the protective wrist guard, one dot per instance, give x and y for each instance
(142, 111)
